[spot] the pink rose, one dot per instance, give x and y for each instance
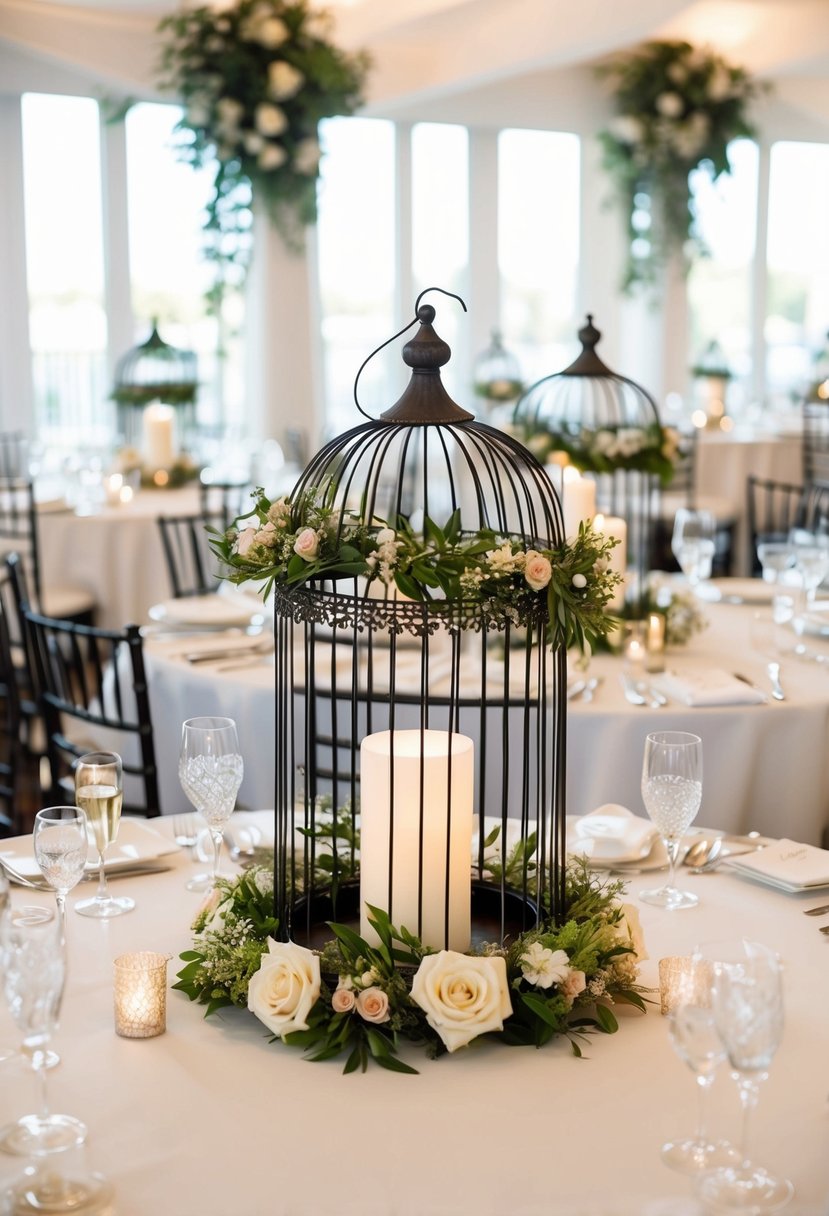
(244, 540)
(307, 544)
(537, 570)
(343, 1000)
(373, 1005)
(572, 984)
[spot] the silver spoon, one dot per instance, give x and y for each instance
(703, 852)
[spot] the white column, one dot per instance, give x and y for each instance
(283, 380)
(759, 277)
(117, 293)
(403, 273)
(16, 387)
(601, 257)
(484, 274)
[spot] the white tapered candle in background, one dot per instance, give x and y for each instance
(159, 444)
(433, 823)
(614, 525)
(578, 500)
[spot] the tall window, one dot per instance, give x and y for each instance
(719, 286)
(168, 272)
(538, 246)
(797, 315)
(65, 268)
(440, 235)
(356, 263)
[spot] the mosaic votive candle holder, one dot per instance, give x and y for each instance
(684, 980)
(141, 994)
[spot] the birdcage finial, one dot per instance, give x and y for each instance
(588, 362)
(425, 401)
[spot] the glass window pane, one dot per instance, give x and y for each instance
(64, 259)
(719, 286)
(356, 265)
(440, 235)
(168, 271)
(538, 246)
(797, 311)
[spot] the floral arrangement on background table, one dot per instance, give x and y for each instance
(180, 473)
(351, 997)
(679, 606)
(255, 78)
(652, 449)
(287, 542)
(677, 108)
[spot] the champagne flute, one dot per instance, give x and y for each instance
(34, 971)
(99, 793)
(747, 1001)
(210, 770)
(693, 544)
(694, 1037)
(672, 792)
(60, 844)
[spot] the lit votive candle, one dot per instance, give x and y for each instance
(634, 646)
(684, 980)
(141, 994)
(113, 486)
(655, 660)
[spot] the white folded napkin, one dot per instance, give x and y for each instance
(709, 686)
(613, 833)
(787, 864)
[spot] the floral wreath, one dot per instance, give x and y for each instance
(355, 998)
(649, 449)
(289, 542)
(256, 77)
(677, 108)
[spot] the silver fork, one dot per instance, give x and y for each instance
(185, 831)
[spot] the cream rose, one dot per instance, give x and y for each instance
(284, 80)
(307, 544)
(537, 570)
(285, 988)
(272, 156)
(630, 932)
(269, 119)
(373, 1005)
(462, 996)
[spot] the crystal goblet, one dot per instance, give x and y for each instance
(671, 792)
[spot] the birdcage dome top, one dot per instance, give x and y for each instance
(156, 371)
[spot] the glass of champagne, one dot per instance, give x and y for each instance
(694, 1037)
(210, 770)
(61, 844)
(34, 970)
(747, 1002)
(693, 544)
(672, 792)
(99, 794)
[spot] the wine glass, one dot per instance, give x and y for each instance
(60, 844)
(34, 970)
(747, 1002)
(210, 770)
(99, 793)
(694, 1037)
(671, 792)
(811, 559)
(693, 545)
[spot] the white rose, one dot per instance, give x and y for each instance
(271, 33)
(373, 1005)
(284, 80)
(630, 933)
(627, 129)
(253, 141)
(669, 105)
(385, 536)
(269, 119)
(285, 988)
(462, 996)
(537, 570)
(272, 156)
(307, 156)
(307, 544)
(244, 541)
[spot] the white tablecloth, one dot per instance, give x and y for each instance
(210, 1119)
(766, 766)
(114, 554)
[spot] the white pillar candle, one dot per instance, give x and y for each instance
(159, 446)
(416, 834)
(614, 525)
(578, 500)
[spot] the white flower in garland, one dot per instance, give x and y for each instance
(462, 996)
(285, 988)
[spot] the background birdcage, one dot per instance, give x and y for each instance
(579, 402)
(155, 371)
(356, 658)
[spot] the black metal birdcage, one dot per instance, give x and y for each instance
(374, 689)
(583, 401)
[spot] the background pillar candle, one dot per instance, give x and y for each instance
(614, 525)
(416, 833)
(159, 444)
(579, 500)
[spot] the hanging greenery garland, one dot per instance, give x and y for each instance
(255, 78)
(677, 109)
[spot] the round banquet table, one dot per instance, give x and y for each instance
(114, 553)
(210, 1118)
(766, 766)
